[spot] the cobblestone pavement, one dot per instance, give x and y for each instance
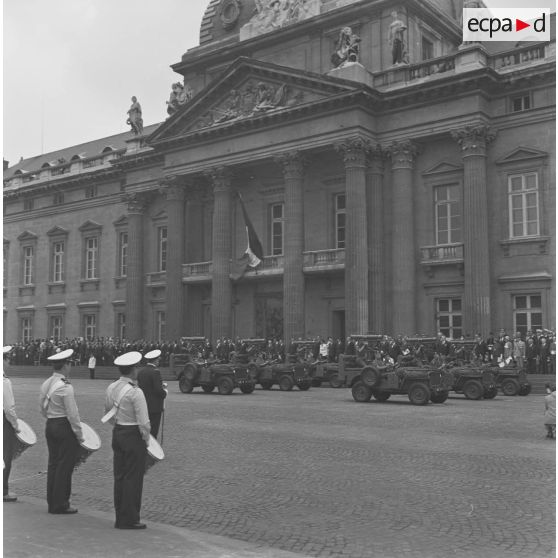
(317, 474)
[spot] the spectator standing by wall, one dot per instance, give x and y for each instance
(519, 350)
(550, 411)
(91, 365)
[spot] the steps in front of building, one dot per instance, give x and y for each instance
(537, 381)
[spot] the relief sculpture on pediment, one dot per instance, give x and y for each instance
(270, 15)
(253, 99)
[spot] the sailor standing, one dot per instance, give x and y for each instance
(151, 383)
(63, 433)
(10, 426)
(126, 408)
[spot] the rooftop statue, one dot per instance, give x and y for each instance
(135, 119)
(179, 96)
(346, 49)
(397, 39)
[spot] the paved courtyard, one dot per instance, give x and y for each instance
(317, 474)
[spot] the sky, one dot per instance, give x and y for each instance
(71, 66)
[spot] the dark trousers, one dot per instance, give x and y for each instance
(63, 451)
(92, 373)
(129, 467)
(155, 420)
(9, 443)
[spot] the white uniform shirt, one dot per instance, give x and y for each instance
(132, 409)
(9, 402)
(62, 402)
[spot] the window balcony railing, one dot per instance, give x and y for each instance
(271, 265)
(517, 56)
(450, 253)
(324, 260)
(156, 278)
(196, 272)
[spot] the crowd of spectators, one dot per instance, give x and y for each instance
(535, 352)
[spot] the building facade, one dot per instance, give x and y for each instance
(400, 182)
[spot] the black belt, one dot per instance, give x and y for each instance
(57, 418)
(126, 426)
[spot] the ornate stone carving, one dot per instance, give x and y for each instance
(172, 187)
(474, 139)
(274, 14)
(137, 201)
(293, 164)
(220, 178)
(346, 48)
(179, 96)
(354, 150)
(253, 99)
(229, 13)
(402, 154)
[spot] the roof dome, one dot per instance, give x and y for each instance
(224, 18)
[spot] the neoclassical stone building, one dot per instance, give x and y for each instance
(404, 185)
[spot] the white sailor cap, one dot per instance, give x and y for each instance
(62, 355)
(152, 354)
(6, 349)
(128, 359)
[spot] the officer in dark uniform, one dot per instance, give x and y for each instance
(63, 433)
(126, 408)
(151, 383)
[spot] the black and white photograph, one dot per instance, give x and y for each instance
(279, 279)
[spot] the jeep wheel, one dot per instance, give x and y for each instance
(304, 385)
(225, 385)
(525, 389)
(381, 396)
(369, 376)
(334, 381)
(247, 388)
(190, 371)
(439, 397)
(316, 382)
(419, 394)
(208, 388)
(510, 387)
(286, 383)
(266, 384)
(473, 390)
(361, 392)
(185, 385)
(490, 393)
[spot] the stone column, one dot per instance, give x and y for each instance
(476, 261)
(403, 240)
(293, 276)
(221, 288)
(376, 264)
(137, 204)
(354, 152)
(173, 188)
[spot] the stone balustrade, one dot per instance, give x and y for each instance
(451, 253)
(324, 260)
(196, 272)
(156, 278)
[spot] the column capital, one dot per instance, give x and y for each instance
(137, 202)
(220, 177)
(292, 163)
(354, 150)
(402, 154)
(173, 187)
(378, 154)
(474, 139)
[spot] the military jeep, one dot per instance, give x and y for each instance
(511, 380)
(473, 381)
(285, 375)
(210, 375)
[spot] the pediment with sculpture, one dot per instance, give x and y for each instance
(248, 90)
